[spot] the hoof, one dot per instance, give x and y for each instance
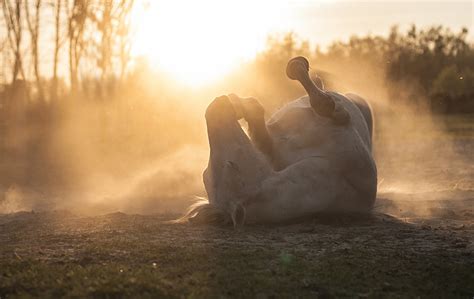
(296, 66)
(220, 108)
(237, 104)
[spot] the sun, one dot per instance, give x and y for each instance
(197, 42)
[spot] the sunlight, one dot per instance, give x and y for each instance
(196, 42)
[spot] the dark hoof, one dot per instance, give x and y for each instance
(296, 66)
(220, 108)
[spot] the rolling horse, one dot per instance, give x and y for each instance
(314, 155)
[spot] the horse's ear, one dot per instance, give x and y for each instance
(238, 215)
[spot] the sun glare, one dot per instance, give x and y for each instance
(196, 42)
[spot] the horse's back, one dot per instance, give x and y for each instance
(365, 109)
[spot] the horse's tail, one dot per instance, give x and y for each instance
(202, 212)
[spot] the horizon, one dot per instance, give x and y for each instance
(244, 27)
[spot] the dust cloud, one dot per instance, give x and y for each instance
(423, 159)
(144, 152)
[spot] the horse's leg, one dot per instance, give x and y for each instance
(253, 112)
(236, 168)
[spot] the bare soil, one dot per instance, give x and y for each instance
(59, 254)
(419, 242)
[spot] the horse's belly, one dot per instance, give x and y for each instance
(332, 143)
(345, 152)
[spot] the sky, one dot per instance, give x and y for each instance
(183, 36)
(324, 22)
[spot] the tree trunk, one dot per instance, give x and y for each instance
(33, 27)
(14, 33)
(57, 46)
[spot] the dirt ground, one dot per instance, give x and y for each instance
(118, 255)
(419, 242)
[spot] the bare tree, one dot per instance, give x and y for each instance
(13, 18)
(57, 45)
(3, 56)
(112, 19)
(123, 35)
(77, 13)
(109, 39)
(103, 19)
(33, 27)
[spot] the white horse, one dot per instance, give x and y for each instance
(314, 155)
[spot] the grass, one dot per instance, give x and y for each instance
(122, 255)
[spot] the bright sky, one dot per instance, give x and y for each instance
(341, 19)
(198, 41)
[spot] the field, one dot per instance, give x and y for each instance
(103, 141)
(417, 243)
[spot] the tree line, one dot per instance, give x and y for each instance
(431, 66)
(89, 46)
(90, 38)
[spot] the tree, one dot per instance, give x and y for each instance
(123, 35)
(453, 82)
(57, 45)
(112, 19)
(34, 29)
(77, 13)
(13, 20)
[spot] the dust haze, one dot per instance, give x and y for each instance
(142, 147)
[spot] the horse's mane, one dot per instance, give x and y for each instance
(202, 212)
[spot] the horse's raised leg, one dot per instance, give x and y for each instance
(236, 168)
